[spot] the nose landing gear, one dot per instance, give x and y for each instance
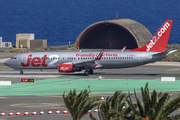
(21, 72)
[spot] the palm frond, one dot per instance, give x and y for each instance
(139, 104)
(170, 107)
(92, 117)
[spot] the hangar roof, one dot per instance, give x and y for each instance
(113, 34)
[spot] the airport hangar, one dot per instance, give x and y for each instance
(113, 34)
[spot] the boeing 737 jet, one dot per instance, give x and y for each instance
(153, 51)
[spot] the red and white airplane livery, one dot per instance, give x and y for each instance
(153, 51)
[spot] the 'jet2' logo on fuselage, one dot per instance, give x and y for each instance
(36, 61)
(155, 39)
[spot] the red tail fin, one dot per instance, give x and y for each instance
(159, 41)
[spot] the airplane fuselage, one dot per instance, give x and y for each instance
(109, 60)
(153, 51)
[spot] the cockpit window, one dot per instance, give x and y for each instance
(13, 58)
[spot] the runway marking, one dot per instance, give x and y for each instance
(38, 105)
(3, 60)
(164, 64)
(172, 70)
(49, 96)
(30, 76)
(2, 97)
(26, 72)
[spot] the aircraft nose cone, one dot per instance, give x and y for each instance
(6, 62)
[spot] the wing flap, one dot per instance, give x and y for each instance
(88, 63)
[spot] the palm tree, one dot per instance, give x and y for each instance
(176, 117)
(111, 109)
(155, 106)
(79, 104)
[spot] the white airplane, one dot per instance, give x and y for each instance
(153, 51)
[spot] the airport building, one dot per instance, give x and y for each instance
(113, 34)
(5, 44)
(24, 40)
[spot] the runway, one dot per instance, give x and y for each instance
(46, 102)
(150, 71)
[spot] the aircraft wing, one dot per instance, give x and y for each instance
(88, 63)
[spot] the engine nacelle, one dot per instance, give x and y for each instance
(66, 68)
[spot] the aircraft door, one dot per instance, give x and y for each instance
(140, 57)
(24, 58)
(75, 59)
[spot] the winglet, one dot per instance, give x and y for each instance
(100, 55)
(124, 48)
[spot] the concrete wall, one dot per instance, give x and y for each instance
(9, 44)
(22, 36)
(23, 43)
(0, 41)
(5, 44)
(38, 43)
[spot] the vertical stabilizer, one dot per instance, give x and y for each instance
(159, 41)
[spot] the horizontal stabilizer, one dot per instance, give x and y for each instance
(171, 52)
(165, 53)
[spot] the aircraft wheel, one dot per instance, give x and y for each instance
(91, 71)
(21, 72)
(86, 72)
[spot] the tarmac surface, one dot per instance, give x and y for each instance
(13, 98)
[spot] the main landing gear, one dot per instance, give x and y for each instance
(88, 71)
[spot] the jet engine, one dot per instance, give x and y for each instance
(67, 68)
